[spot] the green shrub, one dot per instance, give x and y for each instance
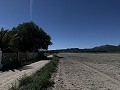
(25, 80)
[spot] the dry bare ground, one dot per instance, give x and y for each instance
(88, 71)
(11, 77)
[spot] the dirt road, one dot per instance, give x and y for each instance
(88, 72)
(10, 77)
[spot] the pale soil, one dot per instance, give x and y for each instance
(87, 71)
(11, 77)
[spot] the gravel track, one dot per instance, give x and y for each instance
(87, 71)
(11, 77)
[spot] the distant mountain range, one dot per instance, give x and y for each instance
(108, 48)
(102, 49)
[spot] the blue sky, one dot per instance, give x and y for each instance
(71, 23)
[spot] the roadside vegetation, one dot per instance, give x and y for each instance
(40, 80)
(25, 37)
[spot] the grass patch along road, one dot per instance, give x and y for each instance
(40, 80)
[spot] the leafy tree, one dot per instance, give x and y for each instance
(7, 39)
(31, 37)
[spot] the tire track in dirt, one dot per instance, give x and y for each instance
(75, 75)
(107, 77)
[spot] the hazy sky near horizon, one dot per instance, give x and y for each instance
(70, 23)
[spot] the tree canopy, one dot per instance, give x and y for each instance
(7, 39)
(25, 37)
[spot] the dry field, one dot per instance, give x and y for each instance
(88, 71)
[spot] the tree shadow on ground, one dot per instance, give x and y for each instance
(21, 65)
